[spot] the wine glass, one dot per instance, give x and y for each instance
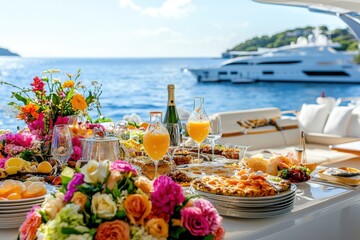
(198, 124)
(61, 144)
(175, 139)
(156, 139)
(215, 133)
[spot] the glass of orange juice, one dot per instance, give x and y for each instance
(156, 139)
(198, 124)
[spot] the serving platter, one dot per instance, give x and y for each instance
(227, 198)
(355, 180)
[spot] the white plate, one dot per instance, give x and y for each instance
(250, 205)
(20, 210)
(23, 206)
(241, 214)
(241, 199)
(12, 215)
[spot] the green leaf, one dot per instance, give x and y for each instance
(69, 230)
(70, 94)
(20, 98)
(175, 232)
(120, 214)
(209, 237)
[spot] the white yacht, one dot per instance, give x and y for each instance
(311, 59)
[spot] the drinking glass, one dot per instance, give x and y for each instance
(198, 124)
(156, 139)
(61, 144)
(175, 139)
(215, 133)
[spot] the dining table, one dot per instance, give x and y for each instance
(322, 210)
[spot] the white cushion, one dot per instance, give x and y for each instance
(312, 118)
(353, 129)
(338, 121)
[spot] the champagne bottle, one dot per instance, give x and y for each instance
(171, 115)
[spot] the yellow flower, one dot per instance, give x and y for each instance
(157, 227)
(103, 205)
(79, 199)
(68, 84)
(78, 102)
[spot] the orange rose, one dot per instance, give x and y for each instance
(79, 199)
(144, 184)
(78, 102)
(115, 230)
(157, 228)
(115, 176)
(137, 208)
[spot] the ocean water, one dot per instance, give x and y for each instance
(139, 85)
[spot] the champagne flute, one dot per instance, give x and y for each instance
(175, 139)
(198, 124)
(156, 139)
(61, 144)
(215, 133)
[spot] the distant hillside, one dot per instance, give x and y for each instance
(342, 36)
(6, 52)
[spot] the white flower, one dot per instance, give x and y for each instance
(95, 172)
(103, 205)
(53, 204)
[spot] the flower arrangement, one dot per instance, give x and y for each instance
(46, 102)
(105, 200)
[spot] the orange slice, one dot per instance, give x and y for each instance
(17, 162)
(14, 196)
(12, 170)
(44, 167)
(144, 125)
(6, 188)
(35, 189)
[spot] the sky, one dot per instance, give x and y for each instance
(142, 28)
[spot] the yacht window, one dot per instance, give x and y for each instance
(206, 74)
(268, 72)
(233, 73)
(237, 63)
(279, 62)
(222, 73)
(326, 73)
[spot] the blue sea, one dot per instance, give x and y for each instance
(139, 85)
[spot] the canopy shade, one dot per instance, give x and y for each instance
(338, 6)
(348, 11)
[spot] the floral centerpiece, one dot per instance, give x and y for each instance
(46, 102)
(109, 201)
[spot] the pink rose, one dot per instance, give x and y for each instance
(209, 212)
(194, 221)
(122, 166)
(28, 229)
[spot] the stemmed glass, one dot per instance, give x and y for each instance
(198, 124)
(156, 139)
(215, 133)
(61, 144)
(175, 139)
